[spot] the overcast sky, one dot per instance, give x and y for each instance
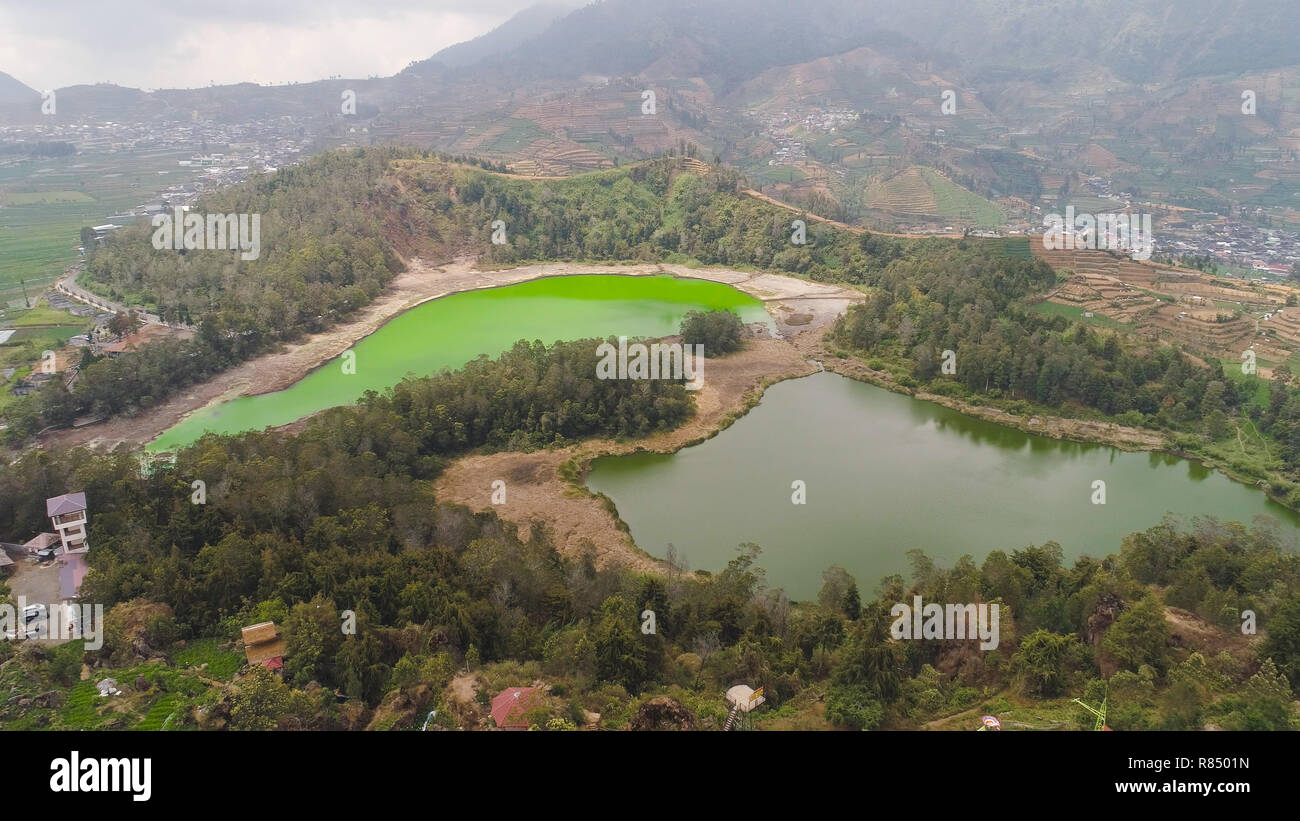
(183, 43)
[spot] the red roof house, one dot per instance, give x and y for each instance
(509, 706)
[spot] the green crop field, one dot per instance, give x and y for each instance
(1075, 314)
(36, 330)
(44, 204)
(519, 135)
(45, 197)
(770, 174)
(954, 201)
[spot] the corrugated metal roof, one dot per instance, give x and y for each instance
(510, 704)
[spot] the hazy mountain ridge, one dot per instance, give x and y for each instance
(768, 85)
(731, 41)
(506, 37)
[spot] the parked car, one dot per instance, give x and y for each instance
(46, 554)
(32, 612)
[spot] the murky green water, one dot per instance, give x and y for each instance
(449, 332)
(886, 473)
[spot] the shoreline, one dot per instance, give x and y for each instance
(420, 283)
(554, 481)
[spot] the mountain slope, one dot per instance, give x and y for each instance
(15, 93)
(506, 37)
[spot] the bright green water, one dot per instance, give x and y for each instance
(448, 332)
(886, 473)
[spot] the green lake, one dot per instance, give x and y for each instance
(885, 473)
(448, 332)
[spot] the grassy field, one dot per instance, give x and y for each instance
(1260, 394)
(35, 330)
(1075, 314)
(44, 204)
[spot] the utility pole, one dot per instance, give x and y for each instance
(26, 301)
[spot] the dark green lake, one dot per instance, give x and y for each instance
(886, 473)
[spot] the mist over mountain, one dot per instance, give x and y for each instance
(728, 41)
(504, 38)
(1140, 41)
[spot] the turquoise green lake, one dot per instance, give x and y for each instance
(885, 473)
(448, 332)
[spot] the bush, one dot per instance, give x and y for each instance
(65, 666)
(852, 706)
(719, 332)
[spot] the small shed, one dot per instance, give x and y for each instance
(42, 541)
(263, 645)
(509, 706)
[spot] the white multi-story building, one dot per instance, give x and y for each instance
(68, 513)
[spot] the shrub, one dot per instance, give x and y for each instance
(852, 706)
(719, 332)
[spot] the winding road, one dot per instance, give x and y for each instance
(67, 285)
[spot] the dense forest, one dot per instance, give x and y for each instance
(341, 519)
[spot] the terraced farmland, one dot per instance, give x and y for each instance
(920, 193)
(1212, 316)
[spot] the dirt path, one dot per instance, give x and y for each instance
(852, 229)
